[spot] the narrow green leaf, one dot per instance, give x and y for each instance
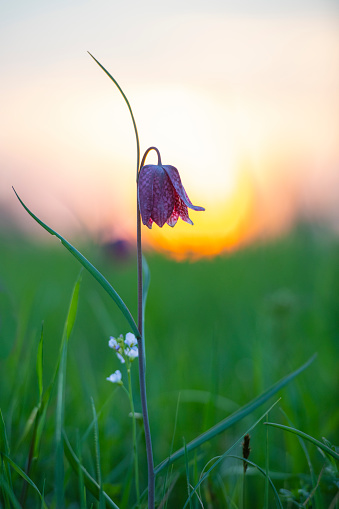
(261, 470)
(23, 475)
(9, 496)
(207, 473)
(82, 491)
(4, 447)
(301, 434)
(90, 268)
(234, 418)
(187, 474)
(317, 498)
(73, 307)
(39, 362)
(90, 483)
(60, 410)
(145, 287)
(97, 456)
(128, 105)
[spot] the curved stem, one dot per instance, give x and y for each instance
(146, 154)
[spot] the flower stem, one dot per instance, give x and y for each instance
(142, 374)
(135, 448)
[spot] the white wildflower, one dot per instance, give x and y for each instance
(115, 377)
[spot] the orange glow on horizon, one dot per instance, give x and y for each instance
(222, 227)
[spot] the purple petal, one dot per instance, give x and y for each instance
(145, 193)
(174, 176)
(163, 197)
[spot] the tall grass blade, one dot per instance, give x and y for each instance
(128, 105)
(264, 473)
(145, 288)
(317, 499)
(303, 435)
(235, 417)
(8, 495)
(60, 410)
(23, 475)
(97, 456)
(90, 268)
(206, 474)
(39, 363)
(187, 474)
(4, 448)
(90, 483)
(82, 491)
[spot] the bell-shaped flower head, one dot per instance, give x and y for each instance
(162, 197)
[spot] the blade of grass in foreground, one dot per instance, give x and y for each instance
(90, 483)
(60, 410)
(97, 456)
(4, 467)
(264, 473)
(90, 268)
(24, 476)
(223, 456)
(234, 418)
(301, 434)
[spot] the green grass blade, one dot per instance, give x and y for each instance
(234, 418)
(97, 456)
(206, 474)
(59, 450)
(303, 435)
(39, 363)
(145, 285)
(317, 499)
(90, 483)
(90, 268)
(264, 473)
(73, 307)
(187, 474)
(82, 492)
(8, 495)
(60, 410)
(4, 448)
(23, 475)
(128, 105)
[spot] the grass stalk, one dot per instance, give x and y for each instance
(135, 444)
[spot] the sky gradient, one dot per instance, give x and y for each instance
(242, 99)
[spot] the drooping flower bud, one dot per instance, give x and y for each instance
(162, 197)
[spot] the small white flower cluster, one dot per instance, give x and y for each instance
(126, 350)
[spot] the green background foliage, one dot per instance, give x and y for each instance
(218, 333)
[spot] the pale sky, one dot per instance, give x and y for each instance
(242, 97)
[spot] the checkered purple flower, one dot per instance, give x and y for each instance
(162, 197)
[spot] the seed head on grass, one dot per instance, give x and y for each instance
(246, 450)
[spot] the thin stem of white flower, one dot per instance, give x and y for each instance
(135, 447)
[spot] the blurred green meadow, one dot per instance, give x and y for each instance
(218, 334)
